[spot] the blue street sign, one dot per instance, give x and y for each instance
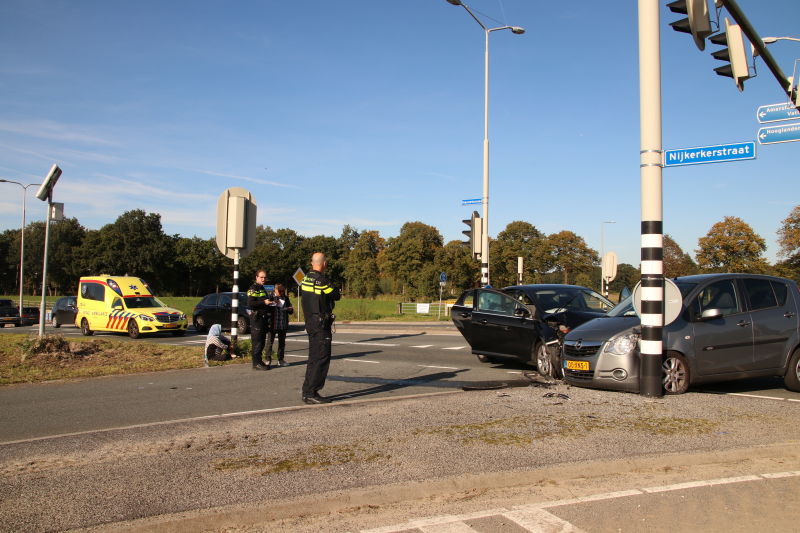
(472, 202)
(719, 153)
(777, 112)
(443, 277)
(784, 133)
(269, 287)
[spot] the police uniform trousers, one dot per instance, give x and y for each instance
(319, 355)
(257, 338)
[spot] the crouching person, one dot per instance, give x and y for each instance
(218, 346)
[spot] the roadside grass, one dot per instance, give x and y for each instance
(28, 359)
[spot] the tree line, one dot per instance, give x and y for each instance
(361, 261)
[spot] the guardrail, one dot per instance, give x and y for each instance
(409, 308)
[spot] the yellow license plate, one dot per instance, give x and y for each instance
(170, 325)
(577, 365)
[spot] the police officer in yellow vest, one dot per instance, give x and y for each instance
(258, 303)
(318, 299)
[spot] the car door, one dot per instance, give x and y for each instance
(723, 344)
(58, 310)
(495, 328)
(70, 310)
(223, 311)
(774, 314)
(461, 314)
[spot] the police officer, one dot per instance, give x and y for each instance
(317, 298)
(258, 303)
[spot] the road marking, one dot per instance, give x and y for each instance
(781, 474)
(445, 367)
(364, 343)
(540, 521)
(300, 356)
(361, 361)
(454, 348)
(777, 398)
(693, 484)
(423, 346)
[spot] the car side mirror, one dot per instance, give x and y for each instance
(710, 314)
(521, 312)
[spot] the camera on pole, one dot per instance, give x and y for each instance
(474, 234)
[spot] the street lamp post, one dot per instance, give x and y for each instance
(603, 257)
(22, 243)
(485, 236)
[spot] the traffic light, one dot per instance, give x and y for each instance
(474, 234)
(738, 68)
(697, 22)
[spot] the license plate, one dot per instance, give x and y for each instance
(576, 365)
(170, 325)
(7, 319)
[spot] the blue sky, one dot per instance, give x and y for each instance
(371, 114)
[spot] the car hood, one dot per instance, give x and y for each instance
(155, 311)
(603, 329)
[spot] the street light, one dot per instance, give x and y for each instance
(770, 40)
(485, 236)
(22, 242)
(603, 257)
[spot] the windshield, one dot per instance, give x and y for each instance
(572, 299)
(625, 308)
(141, 302)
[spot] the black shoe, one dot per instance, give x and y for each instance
(260, 367)
(316, 399)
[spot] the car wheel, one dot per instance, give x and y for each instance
(485, 359)
(543, 363)
(55, 323)
(199, 324)
(241, 326)
(792, 377)
(179, 332)
(85, 328)
(675, 374)
(133, 329)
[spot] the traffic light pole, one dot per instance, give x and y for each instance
(652, 287)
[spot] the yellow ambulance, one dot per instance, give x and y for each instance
(124, 304)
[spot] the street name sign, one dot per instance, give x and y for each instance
(785, 133)
(777, 112)
(719, 153)
(472, 202)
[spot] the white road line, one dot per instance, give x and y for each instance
(434, 520)
(781, 474)
(364, 343)
(540, 521)
(361, 361)
(445, 367)
(451, 527)
(300, 356)
(454, 348)
(423, 346)
(693, 484)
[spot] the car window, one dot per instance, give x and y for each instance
(73, 302)
(625, 308)
(466, 299)
(224, 299)
(93, 291)
(781, 292)
(211, 299)
(760, 293)
(522, 297)
(117, 302)
(496, 303)
(720, 295)
(142, 302)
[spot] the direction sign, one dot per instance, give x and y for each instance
(777, 112)
(719, 153)
(785, 133)
(471, 202)
(443, 277)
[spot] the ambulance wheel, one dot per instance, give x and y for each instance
(179, 332)
(133, 330)
(85, 328)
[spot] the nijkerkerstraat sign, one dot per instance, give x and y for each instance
(719, 153)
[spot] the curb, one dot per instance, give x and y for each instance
(238, 516)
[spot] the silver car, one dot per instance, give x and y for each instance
(731, 326)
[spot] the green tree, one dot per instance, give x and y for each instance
(361, 270)
(789, 242)
(627, 276)
(569, 254)
(200, 265)
(409, 259)
(732, 246)
(9, 268)
(519, 239)
(455, 260)
(676, 262)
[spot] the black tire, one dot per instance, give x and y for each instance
(792, 377)
(199, 324)
(179, 332)
(485, 358)
(675, 374)
(55, 323)
(544, 363)
(133, 329)
(242, 326)
(85, 328)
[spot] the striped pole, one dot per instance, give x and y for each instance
(235, 298)
(652, 214)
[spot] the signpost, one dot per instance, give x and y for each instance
(609, 271)
(719, 153)
(472, 202)
(777, 112)
(442, 282)
(298, 278)
(673, 300)
(784, 133)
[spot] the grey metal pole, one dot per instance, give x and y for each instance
(485, 236)
(235, 298)
(22, 258)
(652, 214)
(43, 305)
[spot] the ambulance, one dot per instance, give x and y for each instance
(124, 304)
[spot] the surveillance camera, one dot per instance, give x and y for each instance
(48, 183)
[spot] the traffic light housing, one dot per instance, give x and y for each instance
(474, 234)
(697, 22)
(738, 68)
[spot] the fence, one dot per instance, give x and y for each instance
(409, 308)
